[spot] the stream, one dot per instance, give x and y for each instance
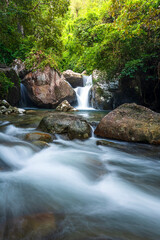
(95, 192)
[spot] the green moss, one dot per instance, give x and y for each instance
(5, 84)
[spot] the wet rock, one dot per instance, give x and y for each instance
(6, 108)
(41, 144)
(65, 107)
(131, 122)
(30, 111)
(102, 92)
(75, 79)
(48, 88)
(38, 227)
(75, 127)
(38, 136)
(4, 103)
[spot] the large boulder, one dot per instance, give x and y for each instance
(75, 127)
(48, 88)
(131, 122)
(75, 79)
(102, 91)
(13, 94)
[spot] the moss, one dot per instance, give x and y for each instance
(5, 84)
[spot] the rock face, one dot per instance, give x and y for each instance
(19, 68)
(48, 88)
(13, 95)
(131, 122)
(102, 93)
(74, 127)
(109, 94)
(65, 107)
(75, 79)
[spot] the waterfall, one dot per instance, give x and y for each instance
(25, 100)
(83, 93)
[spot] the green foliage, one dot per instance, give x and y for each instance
(120, 37)
(5, 84)
(29, 25)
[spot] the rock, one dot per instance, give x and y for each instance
(38, 226)
(65, 107)
(6, 108)
(131, 122)
(20, 68)
(75, 127)
(84, 72)
(13, 95)
(75, 79)
(102, 92)
(4, 103)
(21, 111)
(48, 88)
(41, 144)
(38, 136)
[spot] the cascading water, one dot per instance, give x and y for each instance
(25, 100)
(83, 93)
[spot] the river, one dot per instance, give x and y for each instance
(99, 192)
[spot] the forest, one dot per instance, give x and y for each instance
(79, 119)
(118, 36)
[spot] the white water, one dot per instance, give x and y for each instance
(102, 191)
(25, 101)
(83, 94)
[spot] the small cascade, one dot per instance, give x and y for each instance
(25, 100)
(83, 93)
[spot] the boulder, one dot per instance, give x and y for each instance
(48, 88)
(102, 92)
(131, 122)
(39, 136)
(65, 107)
(19, 68)
(75, 127)
(13, 95)
(74, 79)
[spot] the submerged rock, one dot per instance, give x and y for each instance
(48, 88)
(37, 227)
(41, 144)
(74, 79)
(131, 122)
(65, 107)
(75, 127)
(39, 136)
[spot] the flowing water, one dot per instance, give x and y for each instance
(83, 94)
(25, 101)
(102, 192)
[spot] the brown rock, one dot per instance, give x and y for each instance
(48, 88)
(38, 136)
(75, 79)
(131, 122)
